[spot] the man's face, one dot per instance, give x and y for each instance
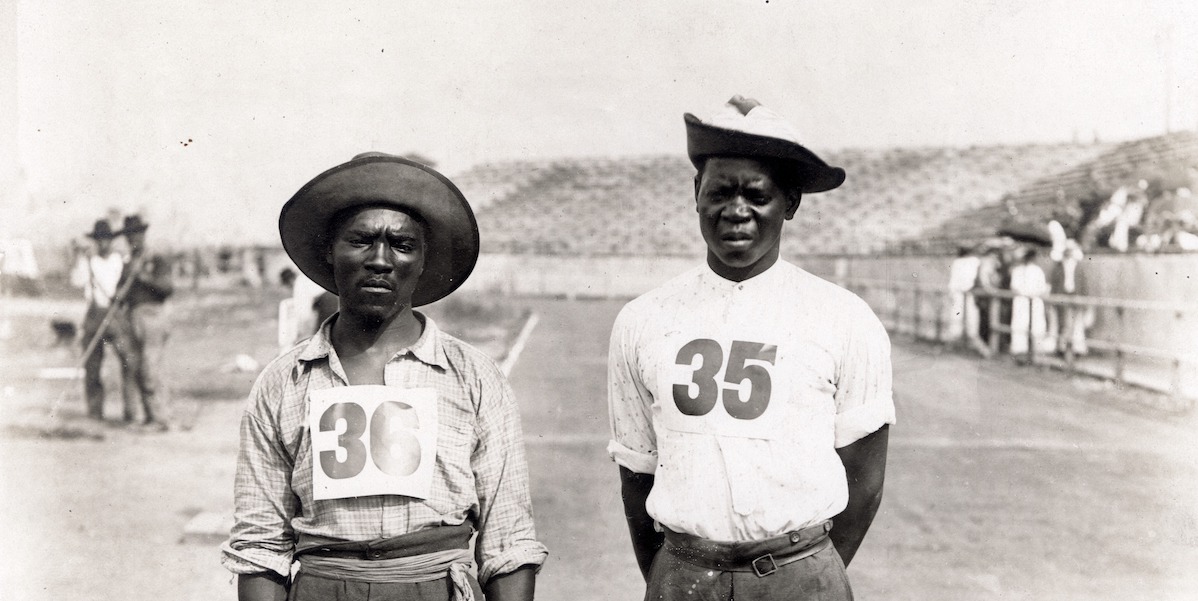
(103, 246)
(377, 256)
(137, 240)
(741, 212)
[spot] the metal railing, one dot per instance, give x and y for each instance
(913, 318)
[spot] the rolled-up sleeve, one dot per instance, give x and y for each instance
(507, 538)
(634, 443)
(262, 538)
(864, 399)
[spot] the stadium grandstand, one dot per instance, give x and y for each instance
(643, 206)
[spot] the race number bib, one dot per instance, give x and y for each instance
(372, 440)
(723, 387)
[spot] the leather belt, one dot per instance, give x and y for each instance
(762, 557)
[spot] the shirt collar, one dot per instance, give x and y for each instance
(718, 282)
(427, 349)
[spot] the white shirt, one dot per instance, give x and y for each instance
(98, 276)
(777, 372)
(1028, 279)
(963, 274)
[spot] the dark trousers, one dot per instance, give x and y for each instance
(93, 385)
(141, 342)
(308, 587)
(693, 572)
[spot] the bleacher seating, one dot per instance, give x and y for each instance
(1039, 200)
(644, 206)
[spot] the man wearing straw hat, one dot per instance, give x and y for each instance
(750, 400)
(98, 274)
(371, 453)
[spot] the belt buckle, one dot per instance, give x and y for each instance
(763, 572)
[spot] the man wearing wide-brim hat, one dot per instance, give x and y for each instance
(98, 272)
(372, 452)
(146, 329)
(750, 400)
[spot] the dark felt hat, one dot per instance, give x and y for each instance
(744, 128)
(134, 224)
(101, 230)
(384, 180)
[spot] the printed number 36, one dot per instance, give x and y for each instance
(394, 449)
(712, 359)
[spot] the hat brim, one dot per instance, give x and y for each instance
(451, 236)
(704, 141)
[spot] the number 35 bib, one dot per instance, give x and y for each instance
(722, 386)
(372, 440)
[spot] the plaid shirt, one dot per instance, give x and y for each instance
(480, 473)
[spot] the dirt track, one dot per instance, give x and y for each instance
(1004, 483)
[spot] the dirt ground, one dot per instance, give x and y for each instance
(1003, 483)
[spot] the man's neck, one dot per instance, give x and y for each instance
(354, 334)
(740, 274)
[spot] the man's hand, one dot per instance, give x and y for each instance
(646, 540)
(865, 468)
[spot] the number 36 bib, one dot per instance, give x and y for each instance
(372, 440)
(722, 386)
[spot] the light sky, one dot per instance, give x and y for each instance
(188, 109)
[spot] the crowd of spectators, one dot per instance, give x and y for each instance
(1144, 217)
(1005, 264)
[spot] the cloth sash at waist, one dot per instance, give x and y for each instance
(762, 557)
(421, 556)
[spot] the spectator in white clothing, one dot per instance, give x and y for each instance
(98, 271)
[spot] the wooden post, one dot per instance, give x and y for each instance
(916, 312)
(1119, 358)
(1175, 384)
(1070, 313)
(993, 317)
(1031, 327)
(939, 320)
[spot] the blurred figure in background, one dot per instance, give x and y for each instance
(1068, 279)
(288, 322)
(302, 314)
(1027, 309)
(325, 306)
(146, 327)
(98, 271)
(964, 319)
(989, 279)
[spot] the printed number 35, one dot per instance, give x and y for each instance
(712, 359)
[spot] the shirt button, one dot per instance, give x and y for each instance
(376, 554)
(794, 537)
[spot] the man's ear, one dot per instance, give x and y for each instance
(794, 200)
(697, 181)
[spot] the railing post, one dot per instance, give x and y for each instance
(939, 323)
(1066, 331)
(1175, 384)
(1031, 327)
(993, 317)
(896, 311)
(1119, 358)
(916, 317)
